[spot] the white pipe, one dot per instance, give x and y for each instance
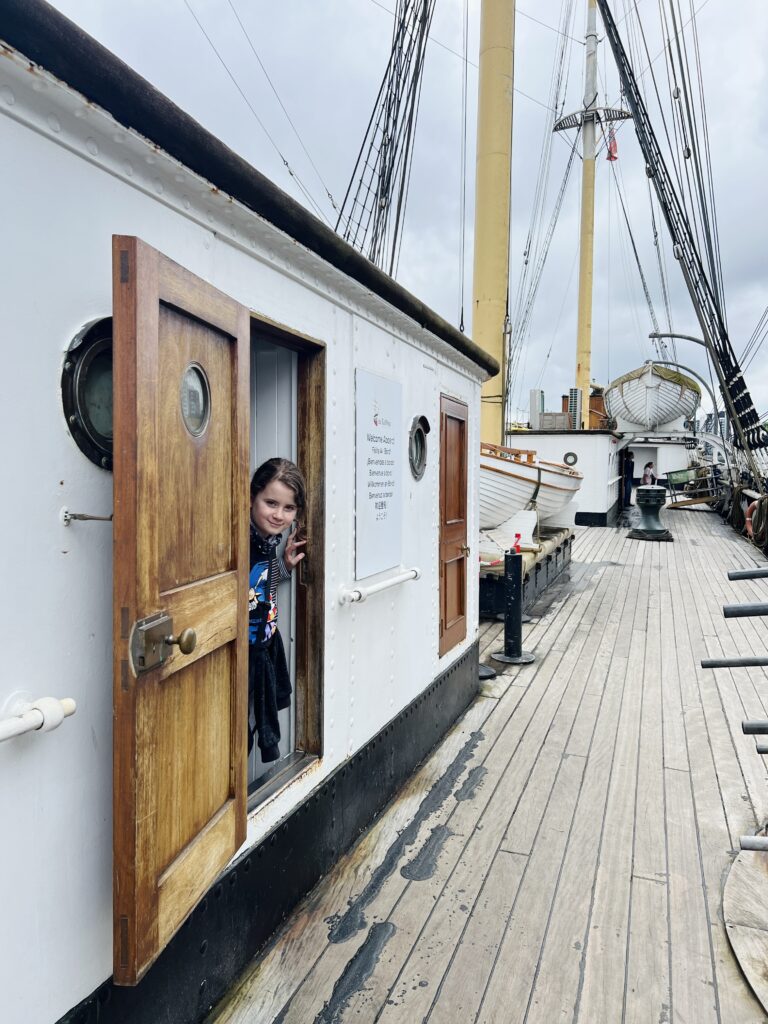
(361, 593)
(42, 715)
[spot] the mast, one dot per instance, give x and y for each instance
(490, 281)
(587, 234)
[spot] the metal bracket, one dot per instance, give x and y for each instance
(66, 517)
(148, 644)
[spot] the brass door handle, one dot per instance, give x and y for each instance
(186, 640)
(464, 549)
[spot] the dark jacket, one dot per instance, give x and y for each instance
(269, 683)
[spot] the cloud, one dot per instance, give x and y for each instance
(326, 62)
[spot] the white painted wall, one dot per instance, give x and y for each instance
(597, 461)
(75, 177)
(664, 456)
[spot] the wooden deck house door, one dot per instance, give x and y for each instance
(453, 523)
(181, 353)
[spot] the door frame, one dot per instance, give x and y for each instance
(310, 590)
(451, 636)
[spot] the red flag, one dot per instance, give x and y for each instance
(613, 149)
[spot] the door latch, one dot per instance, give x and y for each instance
(149, 642)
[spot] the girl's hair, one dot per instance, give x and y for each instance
(286, 472)
(648, 465)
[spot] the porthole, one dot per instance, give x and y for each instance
(195, 399)
(570, 458)
(86, 391)
(417, 446)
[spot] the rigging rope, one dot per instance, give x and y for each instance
(282, 105)
(372, 213)
(536, 246)
(463, 196)
(304, 190)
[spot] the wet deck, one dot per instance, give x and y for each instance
(561, 856)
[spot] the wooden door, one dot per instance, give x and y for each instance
(453, 523)
(181, 394)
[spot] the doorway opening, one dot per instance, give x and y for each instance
(287, 399)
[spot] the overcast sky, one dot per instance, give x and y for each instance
(326, 59)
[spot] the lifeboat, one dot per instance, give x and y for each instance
(512, 479)
(652, 396)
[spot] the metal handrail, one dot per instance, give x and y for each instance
(353, 595)
(41, 715)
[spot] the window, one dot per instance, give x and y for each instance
(86, 391)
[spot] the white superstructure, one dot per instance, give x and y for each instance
(73, 177)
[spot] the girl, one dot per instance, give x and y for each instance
(278, 499)
(649, 477)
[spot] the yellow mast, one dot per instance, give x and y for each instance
(492, 198)
(587, 242)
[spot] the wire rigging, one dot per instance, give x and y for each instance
(282, 105)
(372, 213)
(463, 189)
(302, 187)
(705, 293)
(539, 238)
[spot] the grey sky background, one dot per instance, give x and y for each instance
(326, 59)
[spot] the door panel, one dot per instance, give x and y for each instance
(453, 523)
(181, 549)
(197, 481)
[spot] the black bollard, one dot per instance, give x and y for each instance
(759, 843)
(744, 611)
(513, 653)
(754, 727)
(746, 662)
(748, 574)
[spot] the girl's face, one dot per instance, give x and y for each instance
(274, 509)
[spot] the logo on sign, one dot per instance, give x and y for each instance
(378, 419)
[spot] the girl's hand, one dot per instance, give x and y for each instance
(292, 557)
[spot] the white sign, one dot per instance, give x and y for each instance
(378, 473)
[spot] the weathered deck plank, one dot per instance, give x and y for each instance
(572, 870)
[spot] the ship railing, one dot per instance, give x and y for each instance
(750, 726)
(42, 715)
(353, 595)
(513, 454)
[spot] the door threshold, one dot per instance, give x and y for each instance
(274, 778)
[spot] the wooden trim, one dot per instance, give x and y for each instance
(453, 532)
(125, 488)
(558, 467)
(545, 467)
(527, 479)
(310, 590)
(310, 595)
(284, 336)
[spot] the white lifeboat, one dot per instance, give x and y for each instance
(651, 396)
(512, 479)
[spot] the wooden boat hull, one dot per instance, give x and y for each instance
(652, 396)
(509, 483)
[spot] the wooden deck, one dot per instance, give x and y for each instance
(562, 854)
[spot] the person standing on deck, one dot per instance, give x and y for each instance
(649, 477)
(629, 472)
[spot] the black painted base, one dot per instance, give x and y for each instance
(608, 518)
(535, 582)
(524, 658)
(239, 914)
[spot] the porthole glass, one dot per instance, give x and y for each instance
(86, 390)
(417, 446)
(195, 399)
